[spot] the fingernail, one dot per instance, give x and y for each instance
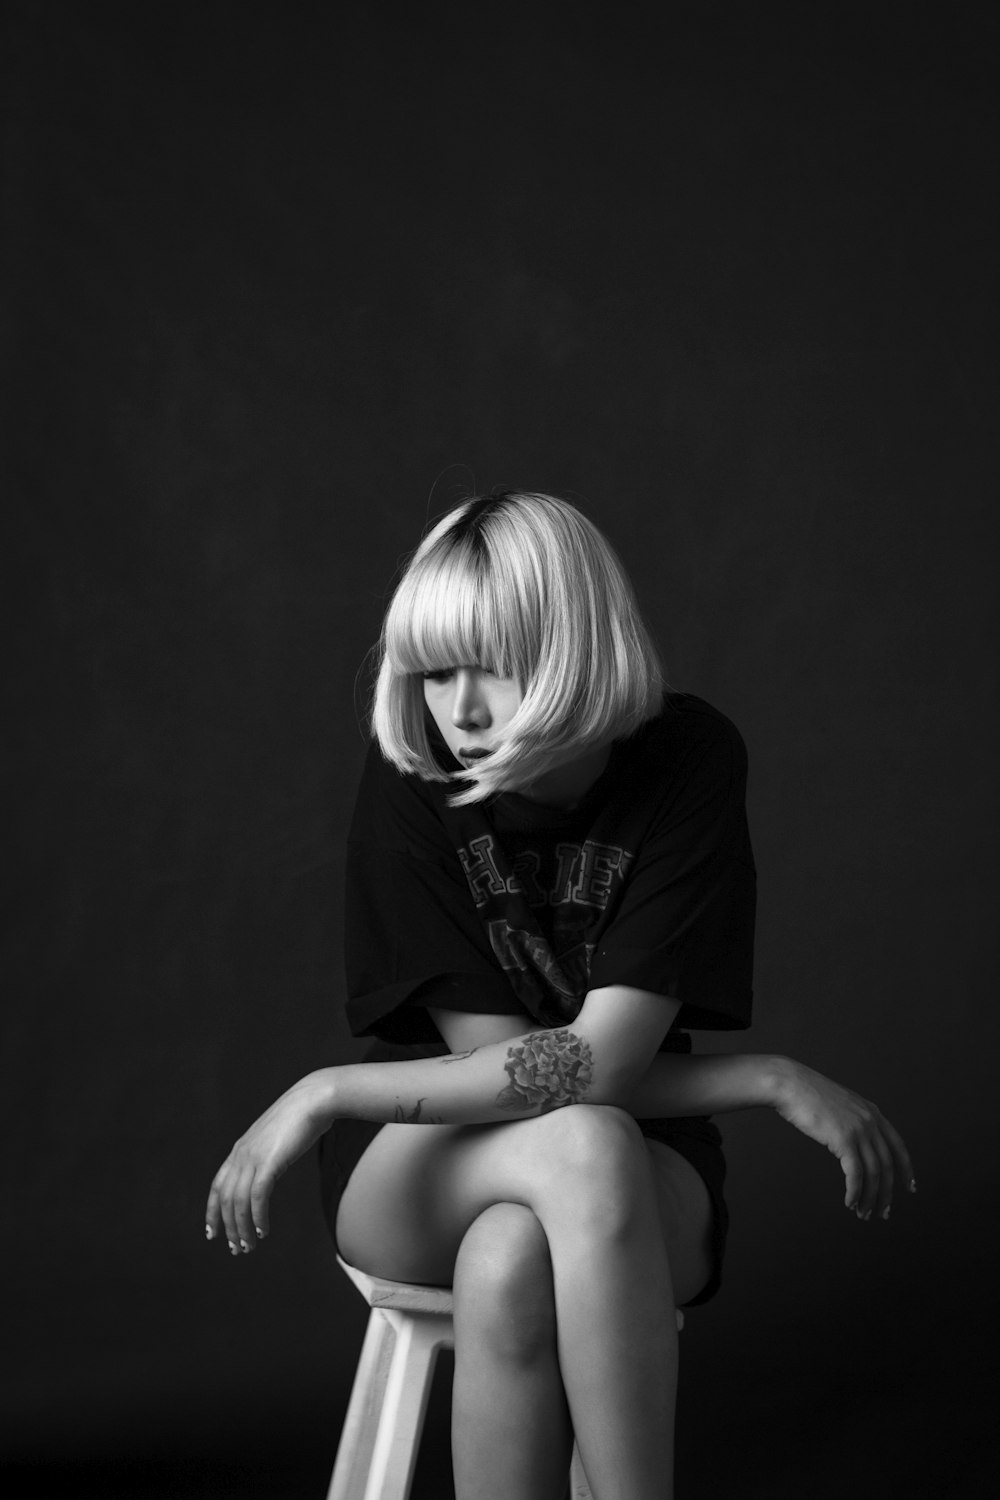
(887, 1211)
(260, 1234)
(244, 1246)
(233, 1249)
(913, 1184)
(209, 1232)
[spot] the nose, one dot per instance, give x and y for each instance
(469, 709)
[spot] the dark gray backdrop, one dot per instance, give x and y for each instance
(279, 282)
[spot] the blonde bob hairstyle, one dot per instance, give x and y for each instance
(526, 587)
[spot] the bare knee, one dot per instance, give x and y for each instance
(504, 1300)
(596, 1161)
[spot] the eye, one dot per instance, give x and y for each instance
(441, 674)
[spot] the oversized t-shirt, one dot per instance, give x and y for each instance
(515, 908)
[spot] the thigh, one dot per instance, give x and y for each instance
(416, 1190)
(686, 1217)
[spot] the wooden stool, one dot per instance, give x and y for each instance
(385, 1415)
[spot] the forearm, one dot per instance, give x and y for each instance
(535, 1073)
(514, 1079)
(679, 1084)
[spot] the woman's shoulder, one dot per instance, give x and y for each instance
(684, 726)
(688, 755)
(684, 768)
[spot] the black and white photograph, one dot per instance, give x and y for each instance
(500, 761)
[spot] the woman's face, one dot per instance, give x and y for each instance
(471, 708)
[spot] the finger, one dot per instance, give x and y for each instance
(227, 1208)
(245, 1233)
(851, 1163)
(904, 1165)
(872, 1171)
(887, 1177)
(213, 1219)
(260, 1204)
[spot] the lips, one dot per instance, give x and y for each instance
(468, 755)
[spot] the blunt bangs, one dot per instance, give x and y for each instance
(447, 612)
(526, 587)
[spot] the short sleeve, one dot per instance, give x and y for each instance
(684, 923)
(412, 937)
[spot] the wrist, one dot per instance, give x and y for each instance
(324, 1096)
(779, 1078)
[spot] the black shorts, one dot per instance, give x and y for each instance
(694, 1138)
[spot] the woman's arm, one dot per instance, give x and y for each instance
(498, 1069)
(871, 1152)
(608, 1056)
(484, 1081)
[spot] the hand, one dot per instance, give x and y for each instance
(870, 1151)
(242, 1187)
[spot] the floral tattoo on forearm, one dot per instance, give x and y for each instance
(547, 1070)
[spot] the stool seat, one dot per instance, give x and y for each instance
(407, 1296)
(408, 1326)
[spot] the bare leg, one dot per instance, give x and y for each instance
(511, 1431)
(615, 1311)
(586, 1175)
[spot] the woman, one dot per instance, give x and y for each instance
(549, 881)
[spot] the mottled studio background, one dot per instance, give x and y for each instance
(278, 281)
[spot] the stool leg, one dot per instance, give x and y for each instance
(418, 1339)
(357, 1439)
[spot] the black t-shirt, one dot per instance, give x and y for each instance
(513, 908)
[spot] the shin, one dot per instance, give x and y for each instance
(511, 1428)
